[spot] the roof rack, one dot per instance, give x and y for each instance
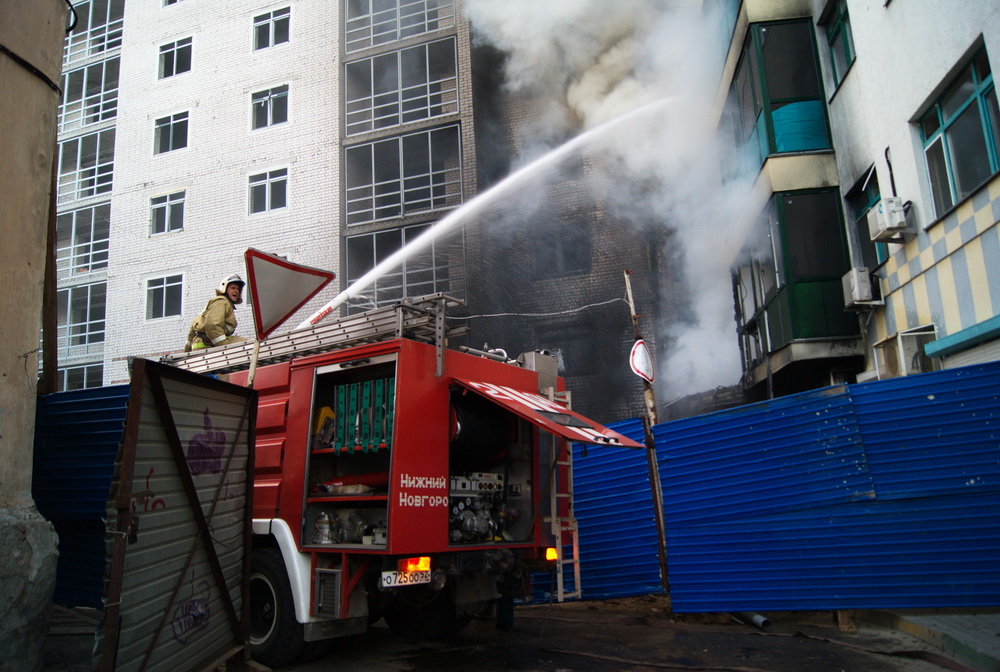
(419, 319)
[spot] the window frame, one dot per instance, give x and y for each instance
(94, 34)
(947, 196)
(364, 28)
(92, 375)
(860, 199)
(169, 204)
(836, 24)
(267, 99)
(81, 319)
(272, 20)
(87, 240)
(172, 129)
(170, 53)
(762, 135)
(381, 182)
(90, 106)
(92, 172)
(171, 287)
(268, 179)
(370, 105)
(437, 267)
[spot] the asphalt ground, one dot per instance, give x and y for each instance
(633, 635)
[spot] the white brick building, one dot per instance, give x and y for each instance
(194, 130)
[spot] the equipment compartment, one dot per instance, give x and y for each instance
(348, 466)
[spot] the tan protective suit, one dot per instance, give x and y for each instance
(214, 326)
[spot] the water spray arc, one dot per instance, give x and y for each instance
(475, 205)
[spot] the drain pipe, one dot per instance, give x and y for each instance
(752, 618)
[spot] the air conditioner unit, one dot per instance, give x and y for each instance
(886, 219)
(857, 289)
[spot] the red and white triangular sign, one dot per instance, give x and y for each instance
(278, 288)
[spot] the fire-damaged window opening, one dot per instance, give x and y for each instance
(440, 267)
(567, 251)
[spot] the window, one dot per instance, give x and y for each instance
(271, 28)
(80, 377)
(961, 135)
(787, 283)
(268, 190)
(82, 240)
(81, 311)
(175, 58)
(435, 268)
(860, 199)
(86, 165)
(814, 237)
(566, 252)
(163, 296)
(373, 22)
(837, 24)
(166, 213)
(400, 176)
(167, 3)
(90, 95)
(776, 100)
(98, 29)
(402, 86)
(902, 354)
(270, 107)
(171, 133)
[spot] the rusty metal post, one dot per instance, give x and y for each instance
(651, 460)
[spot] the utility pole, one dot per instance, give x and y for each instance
(642, 366)
(31, 45)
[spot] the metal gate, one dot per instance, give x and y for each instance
(178, 525)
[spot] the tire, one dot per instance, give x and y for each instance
(276, 638)
(419, 613)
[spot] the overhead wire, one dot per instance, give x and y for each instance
(569, 311)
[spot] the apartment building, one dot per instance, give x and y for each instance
(872, 129)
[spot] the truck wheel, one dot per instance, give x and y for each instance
(276, 638)
(421, 613)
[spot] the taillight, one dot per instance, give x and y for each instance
(422, 564)
(551, 554)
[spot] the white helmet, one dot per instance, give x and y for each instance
(233, 279)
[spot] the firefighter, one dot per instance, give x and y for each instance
(216, 324)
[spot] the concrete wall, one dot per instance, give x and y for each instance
(907, 53)
(945, 271)
(31, 32)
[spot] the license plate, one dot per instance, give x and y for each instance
(391, 579)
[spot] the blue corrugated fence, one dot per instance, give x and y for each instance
(882, 494)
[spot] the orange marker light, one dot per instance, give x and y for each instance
(551, 554)
(422, 564)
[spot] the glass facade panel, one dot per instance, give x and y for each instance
(403, 175)
(373, 22)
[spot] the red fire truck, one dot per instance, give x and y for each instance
(396, 477)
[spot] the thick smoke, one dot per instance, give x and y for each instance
(584, 62)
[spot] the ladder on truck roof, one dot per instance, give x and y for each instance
(419, 319)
